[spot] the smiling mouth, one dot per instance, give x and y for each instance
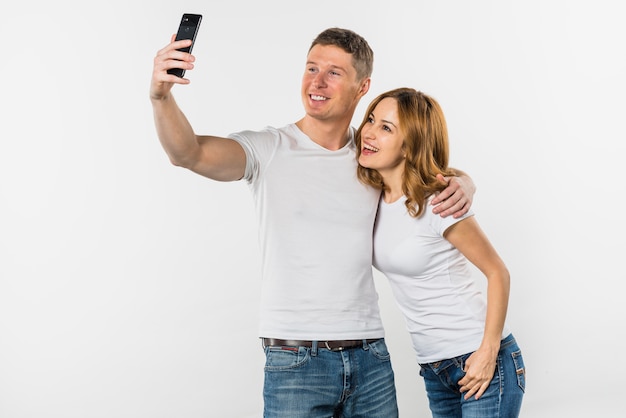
(370, 148)
(317, 98)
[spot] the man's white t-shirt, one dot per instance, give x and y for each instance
(315, 230)
(431, 281)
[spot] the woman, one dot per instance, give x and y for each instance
(470, 362)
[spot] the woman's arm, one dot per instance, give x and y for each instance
(471, 241)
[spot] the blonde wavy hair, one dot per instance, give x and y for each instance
(425, 145)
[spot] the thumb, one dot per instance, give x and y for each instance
(442, 179)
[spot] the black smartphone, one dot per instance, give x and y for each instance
(188, 29)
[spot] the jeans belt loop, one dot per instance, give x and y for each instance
(365, 345)
(314, 348)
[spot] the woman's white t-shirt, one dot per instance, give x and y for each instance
(431, 280)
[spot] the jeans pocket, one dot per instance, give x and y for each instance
(379, 350)
(520, 370)
(277, 358)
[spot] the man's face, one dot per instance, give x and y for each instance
(330, 88)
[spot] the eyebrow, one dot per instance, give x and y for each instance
(384, 121)
(332, 66)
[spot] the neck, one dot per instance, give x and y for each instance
(392, 180)
(330, 135)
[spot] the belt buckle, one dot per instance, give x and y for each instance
(340, 348)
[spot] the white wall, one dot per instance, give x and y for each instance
(129, 287)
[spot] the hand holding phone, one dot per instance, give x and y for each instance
(188, 29)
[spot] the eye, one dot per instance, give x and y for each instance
(386, 128)
(370, 119)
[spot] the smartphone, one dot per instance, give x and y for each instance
(188, 29)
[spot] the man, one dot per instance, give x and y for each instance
(320, 322)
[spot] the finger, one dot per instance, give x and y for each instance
(482, 390)
(170, 78)
(185, 65)
(449, 206)
(440, 197)
(465, 384)
(160, 74)
(470, 393)
(443, 179)
(174, 46)
(458, 210)
(173, 59)
(183, 43)
(444, 194)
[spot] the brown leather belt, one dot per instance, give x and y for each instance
(338, 345)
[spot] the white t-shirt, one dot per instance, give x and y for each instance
(315, 230)
(431, 280)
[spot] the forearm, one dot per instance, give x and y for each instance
(174, 131)
(497, 305)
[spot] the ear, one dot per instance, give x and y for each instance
(365, 86)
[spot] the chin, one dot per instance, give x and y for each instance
(363, 164)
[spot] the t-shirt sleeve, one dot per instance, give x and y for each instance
(440, 224)
(259, 147)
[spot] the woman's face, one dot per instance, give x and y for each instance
(382, 140)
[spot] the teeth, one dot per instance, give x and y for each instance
(314, 97)
(371, 148)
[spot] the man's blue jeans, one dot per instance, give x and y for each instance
(502, 399)
(314, 382)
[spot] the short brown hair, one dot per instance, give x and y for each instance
(352, 43)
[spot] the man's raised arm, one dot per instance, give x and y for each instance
(214, 157)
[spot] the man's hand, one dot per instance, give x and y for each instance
(456, 199)
(166, 58)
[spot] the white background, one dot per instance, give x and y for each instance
(129, 287)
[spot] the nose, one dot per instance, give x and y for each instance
(319, 80)
(367, 132)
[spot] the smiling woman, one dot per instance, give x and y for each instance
(426, 259)
(410, 135)
(382, 143)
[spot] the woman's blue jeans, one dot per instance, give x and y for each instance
(502, 399)
(314, 382)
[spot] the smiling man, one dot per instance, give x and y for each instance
(319, 318)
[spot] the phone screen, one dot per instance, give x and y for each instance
(187, 29)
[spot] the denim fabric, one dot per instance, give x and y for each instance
(502, 399)
(315, 382)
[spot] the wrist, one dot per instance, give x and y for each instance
(158, 97)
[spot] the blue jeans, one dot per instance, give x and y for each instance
(503, 397)
(314, 382)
